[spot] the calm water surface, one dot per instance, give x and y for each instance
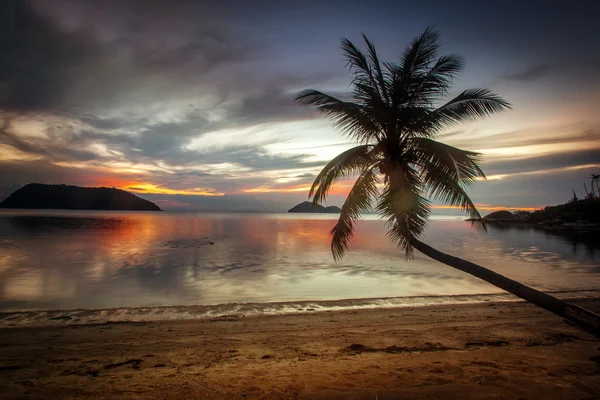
(73, 259)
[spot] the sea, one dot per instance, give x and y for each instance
(68, 267)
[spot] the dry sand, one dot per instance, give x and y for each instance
(484, 351)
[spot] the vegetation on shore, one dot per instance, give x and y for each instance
(574, 214)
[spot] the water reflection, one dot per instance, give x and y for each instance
(116, 259)
(588, 240)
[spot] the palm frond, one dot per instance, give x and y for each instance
(356, 60)
(351, 118)
(470, 104)
(368, 97)
(377, 72)
(460, 165)
(358, 201)
(367, 86)
(448, 190)
(421, 52)
(351, 161)
(313, 97)
(438, 79)
(413, 121)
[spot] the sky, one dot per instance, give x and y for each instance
(190, 104)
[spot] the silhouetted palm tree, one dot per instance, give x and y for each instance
(596, 180)
(392, 117)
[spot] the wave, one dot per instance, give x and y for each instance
(41, 318)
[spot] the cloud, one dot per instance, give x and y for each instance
(540, 163)
(533, 190)
(532, 73)
(78, 57)
(37, 61)
(53, 147)
(528, 142)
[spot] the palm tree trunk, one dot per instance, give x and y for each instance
(578, 315)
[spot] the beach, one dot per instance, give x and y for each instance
(500, 350)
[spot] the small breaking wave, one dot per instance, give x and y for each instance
(235, 310)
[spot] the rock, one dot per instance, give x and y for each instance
(307, 207)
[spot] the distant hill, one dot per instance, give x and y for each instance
(307, 207)
(503, 215)
(64, 197)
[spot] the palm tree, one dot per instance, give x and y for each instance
(596, 180)
(392, 117)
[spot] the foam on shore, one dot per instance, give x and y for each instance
(41, 318)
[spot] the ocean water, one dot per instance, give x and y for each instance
(66, 260)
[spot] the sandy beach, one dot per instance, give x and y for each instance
(489, 350)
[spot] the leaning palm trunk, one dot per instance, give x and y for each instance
(578, 315)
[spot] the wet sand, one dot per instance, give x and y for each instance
(482, 351)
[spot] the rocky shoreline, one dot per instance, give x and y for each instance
(579, 226)
(578, 216)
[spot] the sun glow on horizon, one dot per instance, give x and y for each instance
(149, 188)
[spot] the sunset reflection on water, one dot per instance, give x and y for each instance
(117, 259)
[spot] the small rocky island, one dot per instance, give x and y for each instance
(65, 197)
(307, 207)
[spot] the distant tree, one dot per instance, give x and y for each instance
(574, 199)
(393, 118)
(596, 180)
(522, 215)
(589, 195)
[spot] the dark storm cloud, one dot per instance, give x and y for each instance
(270, 105)
(86, 54)
(36, 59)
(164, 140)
(81, 56)
(529, 74)
(95, 122)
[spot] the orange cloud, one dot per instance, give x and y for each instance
(151, 188)
(267, 189)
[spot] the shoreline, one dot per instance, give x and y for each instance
(65, 317)
(546, 225)
(505, 350)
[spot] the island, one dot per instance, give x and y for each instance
(66, 197)
(307, 207)
(576, 214)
